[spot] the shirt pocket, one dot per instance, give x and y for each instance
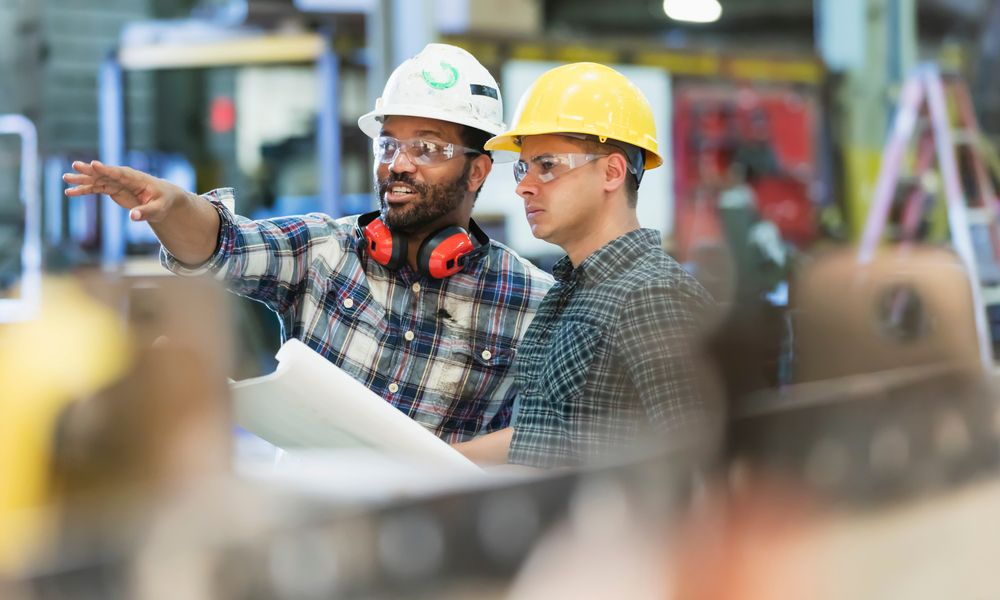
(356, 333)
(476, 378)
(486, 362)
(569, 362)
(358, 309)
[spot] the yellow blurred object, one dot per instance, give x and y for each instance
(586, 98)
(861, 166)
(75, 347)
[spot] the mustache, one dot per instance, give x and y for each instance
(404, 178)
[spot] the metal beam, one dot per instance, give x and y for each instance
(251, 50)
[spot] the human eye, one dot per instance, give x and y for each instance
(546, 164)
(427, 148)
(386, 144)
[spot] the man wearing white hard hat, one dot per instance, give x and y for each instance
(413, 300)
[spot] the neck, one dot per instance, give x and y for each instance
(607, 230)
(416, 238)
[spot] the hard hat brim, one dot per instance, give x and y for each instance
(508, 141)
(371, 122)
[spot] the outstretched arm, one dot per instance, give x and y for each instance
(186, 225)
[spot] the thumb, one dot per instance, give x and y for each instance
(151, 212)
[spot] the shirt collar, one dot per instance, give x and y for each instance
(616, 256)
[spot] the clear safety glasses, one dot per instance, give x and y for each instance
(420, 152)
(547, 167)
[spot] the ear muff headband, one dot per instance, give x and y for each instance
(442, 254)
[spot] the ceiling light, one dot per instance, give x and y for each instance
(694, 11)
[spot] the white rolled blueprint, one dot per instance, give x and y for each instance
(308, 402)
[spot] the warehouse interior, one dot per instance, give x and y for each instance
(830, 177)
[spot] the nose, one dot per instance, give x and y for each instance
(402, 163)
(526, 189)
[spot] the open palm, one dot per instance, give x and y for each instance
(146, 197)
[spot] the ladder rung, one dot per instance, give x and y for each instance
(966, 137)
(979, 216)
(991, 294)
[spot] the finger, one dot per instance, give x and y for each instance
(101, 169)
(83, 167)
(81, 190)
(84, 185)
(124, 176)
(77, 179)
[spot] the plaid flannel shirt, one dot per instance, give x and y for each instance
(609, 356)
(438, 350)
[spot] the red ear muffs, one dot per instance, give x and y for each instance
(444, 252)
(385, 247)
(441, 254)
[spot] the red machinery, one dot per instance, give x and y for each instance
(725, 135)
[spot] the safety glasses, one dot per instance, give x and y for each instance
(419, 151)
(547, 167)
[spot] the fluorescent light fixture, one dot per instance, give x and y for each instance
(694, 11)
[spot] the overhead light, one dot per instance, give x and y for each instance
(694, 11)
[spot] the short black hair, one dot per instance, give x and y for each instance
(475, 139)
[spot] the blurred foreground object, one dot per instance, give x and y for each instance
(114, 399)
(74, 348)
(905, 308)
(875, 477)
(892, 400)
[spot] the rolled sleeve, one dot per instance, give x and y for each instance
(268, 259)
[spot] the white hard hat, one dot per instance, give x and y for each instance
(441, 82)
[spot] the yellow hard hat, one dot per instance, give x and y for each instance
(584, 98)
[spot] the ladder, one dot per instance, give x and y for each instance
(972, 221)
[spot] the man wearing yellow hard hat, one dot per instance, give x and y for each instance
(609, 360)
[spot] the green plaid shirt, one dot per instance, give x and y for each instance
(610, 356)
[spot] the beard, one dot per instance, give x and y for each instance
(436, 201)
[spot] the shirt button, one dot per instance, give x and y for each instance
(393, 388)
(415, 287)
(409, 336)
(348, 303)
(487, 355)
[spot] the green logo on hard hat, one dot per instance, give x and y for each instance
(451, 77)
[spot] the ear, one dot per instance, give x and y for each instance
(616, 172)
(481, 167)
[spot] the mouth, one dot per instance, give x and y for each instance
(532, 211)
(399, 192)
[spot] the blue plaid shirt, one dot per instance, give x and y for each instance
(438, 350)
(611, 357)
